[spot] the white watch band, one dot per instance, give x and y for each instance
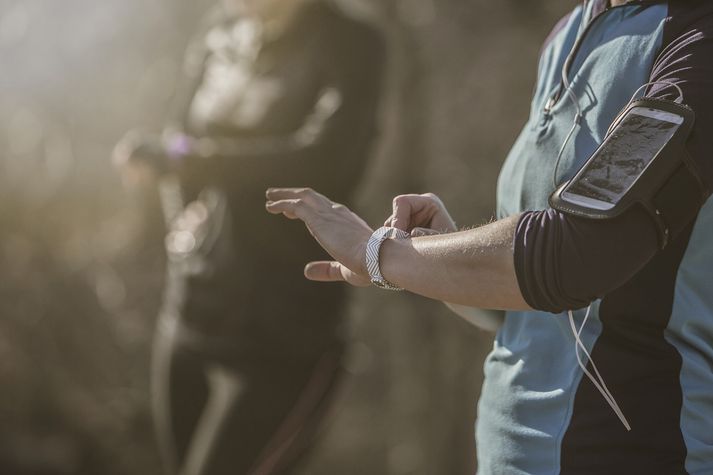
(373, 248)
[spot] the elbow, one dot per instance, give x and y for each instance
(565, 263)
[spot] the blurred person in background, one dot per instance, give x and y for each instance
(248, 352)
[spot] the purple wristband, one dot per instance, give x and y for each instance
(179, 146)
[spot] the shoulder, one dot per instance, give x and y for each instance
(685, 17)
(559, 26)
(685, 60)
(197, 49)
(687, 47)
(689, 24)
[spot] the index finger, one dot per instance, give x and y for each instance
(275, 194)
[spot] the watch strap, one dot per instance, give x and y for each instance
(373, 250)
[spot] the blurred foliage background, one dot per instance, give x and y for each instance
(81, 259)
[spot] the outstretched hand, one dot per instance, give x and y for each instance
(336, 228)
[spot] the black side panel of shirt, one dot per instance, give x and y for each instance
(640, 367)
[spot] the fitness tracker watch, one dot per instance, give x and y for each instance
(373, 248)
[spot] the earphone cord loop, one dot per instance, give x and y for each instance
(573, 98)
(577, 119)
(562, 148)
(599, 380)
(678, 100)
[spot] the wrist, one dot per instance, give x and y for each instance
(360, 257)
(394, 259)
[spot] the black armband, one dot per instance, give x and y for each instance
(642, 161)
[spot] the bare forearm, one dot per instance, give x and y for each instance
(473, 267)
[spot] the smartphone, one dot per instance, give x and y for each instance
(622, 158)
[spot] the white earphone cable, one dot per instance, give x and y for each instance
(572, 97)
(679, 99)
(598, 381)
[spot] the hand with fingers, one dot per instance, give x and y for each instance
(420, 215)
(136, 157)
(336, 228)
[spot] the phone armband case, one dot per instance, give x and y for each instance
(669, 188)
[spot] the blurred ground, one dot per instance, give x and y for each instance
(81, 260)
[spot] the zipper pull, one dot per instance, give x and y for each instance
(549, 105)
(552, 101)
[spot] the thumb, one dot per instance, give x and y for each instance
(401, 216)
(332, 271)
(324, 271)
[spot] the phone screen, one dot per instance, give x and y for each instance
(625, 154)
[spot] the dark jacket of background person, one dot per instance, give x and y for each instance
(296, 108)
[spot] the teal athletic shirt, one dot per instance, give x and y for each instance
(651, 326)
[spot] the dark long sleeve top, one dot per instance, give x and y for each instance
(291, 108)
